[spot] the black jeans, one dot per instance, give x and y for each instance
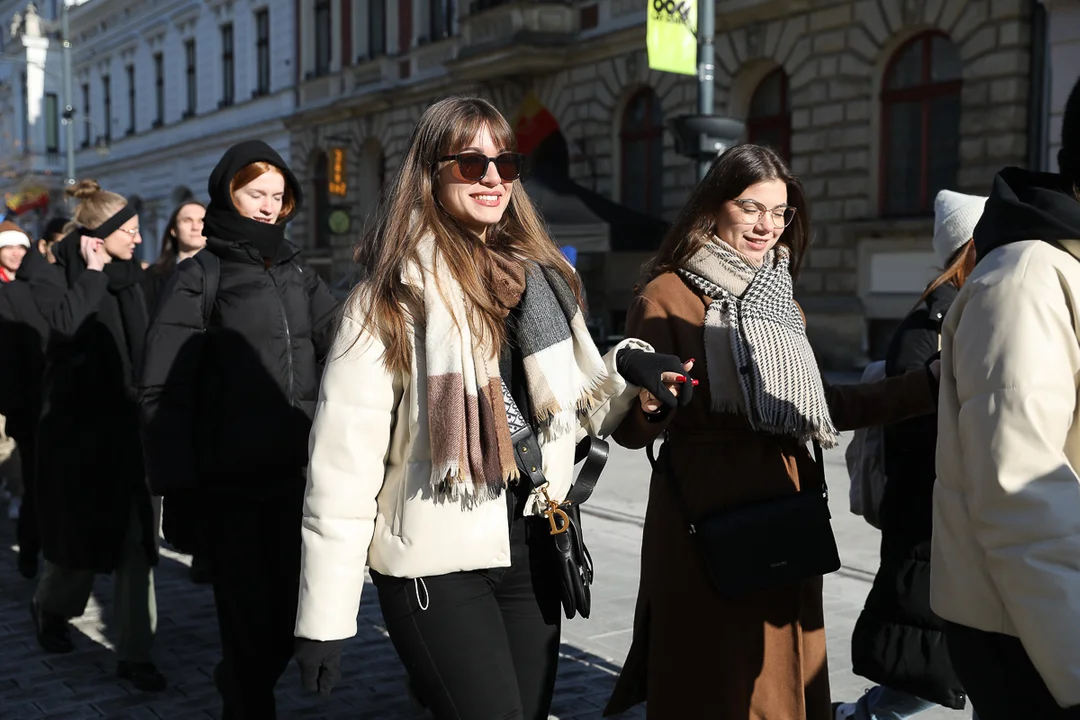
(254, 551)
(487, 645)
(999, 677)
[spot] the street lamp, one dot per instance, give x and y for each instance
(704, 137)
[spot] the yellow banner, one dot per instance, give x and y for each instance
(670, 36)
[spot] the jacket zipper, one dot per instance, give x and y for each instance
(288, 337)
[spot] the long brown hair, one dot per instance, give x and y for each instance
(410, 211)
(956, 274)
(170, 243)
(737, 169)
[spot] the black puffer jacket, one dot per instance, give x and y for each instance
(898, 641)
(231, 407)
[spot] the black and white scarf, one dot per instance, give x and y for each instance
(778, 373)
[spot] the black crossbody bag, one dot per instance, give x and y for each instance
(761, 545)
(573, 562)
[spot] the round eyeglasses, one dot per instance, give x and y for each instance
(753, 212)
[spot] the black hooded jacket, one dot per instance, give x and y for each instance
(1025, 205)
(228, 404)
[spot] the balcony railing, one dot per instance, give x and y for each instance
(493, 24)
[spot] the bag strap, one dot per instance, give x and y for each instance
(592, 451)
(211, 277)
(676, 493)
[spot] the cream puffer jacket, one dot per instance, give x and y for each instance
(367, 499)
(1006, 544)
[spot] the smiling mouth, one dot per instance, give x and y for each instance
(262, 220)
(488, 199)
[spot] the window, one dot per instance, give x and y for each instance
(192, 86)
(86, 114)
(642, 139)
(106, 93)
(323, 37)
(769, 120)
(262, 52)
(131, 99)
(439, 19)
(376, 28)
(159, 90)
(52, 123)
(228, 66)
(920, 129)
(320, 179)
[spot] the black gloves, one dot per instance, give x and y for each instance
(320, 664)
(645, 369)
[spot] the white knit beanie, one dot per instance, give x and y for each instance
(12, 234)
(955, 217)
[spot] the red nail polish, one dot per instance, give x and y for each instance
(680, 378)
(691, 360)
(695, 383)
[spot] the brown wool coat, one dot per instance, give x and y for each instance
(695, 655)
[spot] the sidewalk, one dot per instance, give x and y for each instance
(83, 685)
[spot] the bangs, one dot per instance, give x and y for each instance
(465, 131)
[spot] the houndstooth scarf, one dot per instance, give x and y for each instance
(471, 453)
(778, 373)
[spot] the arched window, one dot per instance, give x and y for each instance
(642, 140)
(320, 180)
(920, 128)
(769, 119)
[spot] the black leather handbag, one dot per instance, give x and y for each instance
(765, 544)
(573, 562)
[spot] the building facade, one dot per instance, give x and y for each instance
(163, 87)
(32, 143)
(877, 103)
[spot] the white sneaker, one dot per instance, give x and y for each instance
(843, 711)
(13, 508)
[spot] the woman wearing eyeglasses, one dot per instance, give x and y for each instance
(720, 290)
(94, 507)
(412, 471)
(233, 360)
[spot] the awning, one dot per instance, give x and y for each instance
(568, 218)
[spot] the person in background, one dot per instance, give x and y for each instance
(54, 232)
(1004, 566)
(183, 237)
(898, 641)
(182, 513)
(95, 510)
(13, 246)
(227, 400)
(23, 334)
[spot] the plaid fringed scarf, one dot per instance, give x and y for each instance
(471, 454)
(778, 373)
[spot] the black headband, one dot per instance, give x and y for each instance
(113, 224)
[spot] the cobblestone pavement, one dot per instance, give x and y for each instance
(83, 684)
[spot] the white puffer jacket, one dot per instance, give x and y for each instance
(368, 499)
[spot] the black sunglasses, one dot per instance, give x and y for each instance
(473, 165)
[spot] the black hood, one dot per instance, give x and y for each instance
(1025, 205)
(33, 266)
(222, 219)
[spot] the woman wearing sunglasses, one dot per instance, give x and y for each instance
(412, 471)
(721, 290)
